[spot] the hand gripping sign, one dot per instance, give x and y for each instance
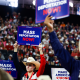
(56, 8)
(29, 35)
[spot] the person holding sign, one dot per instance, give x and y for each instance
(68, 62)
(31, 65)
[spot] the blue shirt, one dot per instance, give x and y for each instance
(67, 62)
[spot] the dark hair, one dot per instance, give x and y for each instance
(34, 68)
(0, 51)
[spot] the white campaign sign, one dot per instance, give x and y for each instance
(59, 74)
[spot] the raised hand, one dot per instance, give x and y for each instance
(15, 46)
(49, 23)
(40, 46)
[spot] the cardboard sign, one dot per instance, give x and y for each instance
(29, 35)
(9, 67)
(56, 8)
(60, 74)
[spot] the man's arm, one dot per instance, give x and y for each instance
(43, 62)
(63, 55)
(16, 62)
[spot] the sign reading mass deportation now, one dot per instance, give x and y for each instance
(29, 35)
(9, 67)
(56, 8)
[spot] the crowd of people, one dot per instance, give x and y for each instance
(68, 35)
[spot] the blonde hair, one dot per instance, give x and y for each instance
(5, 76)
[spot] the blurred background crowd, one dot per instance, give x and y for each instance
(14, 13)
(68, 34)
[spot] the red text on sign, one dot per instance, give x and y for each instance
(52, 10)
(28, 39)
(8, 72)
(62, 78)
